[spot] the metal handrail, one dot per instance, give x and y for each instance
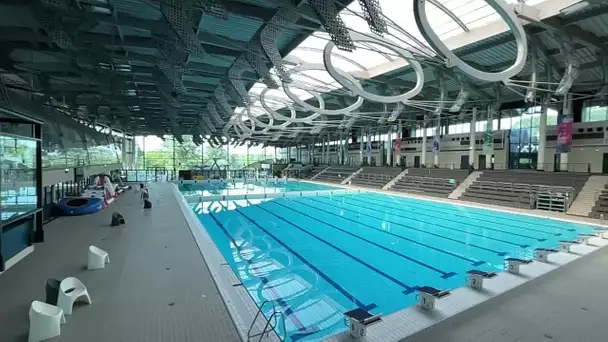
(272, 316)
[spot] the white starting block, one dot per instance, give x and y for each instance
(358, 321)
(564, 246)
(427, 296)
(542, 254)
(584, 238)
(475, 278)
(601, 233)
(514, 263)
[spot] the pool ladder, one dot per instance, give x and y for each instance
(272, 322)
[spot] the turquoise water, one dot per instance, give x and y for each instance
(249, 188)
(318, 257)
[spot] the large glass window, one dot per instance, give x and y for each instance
(595, 110)
(18, 176)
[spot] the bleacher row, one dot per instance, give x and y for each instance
(520, 189)
(512, 188)
(600, 209)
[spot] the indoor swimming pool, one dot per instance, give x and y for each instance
(249, 188)
(318, 257)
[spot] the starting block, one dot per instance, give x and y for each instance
(542, 254)
(475, 278)
(427, 296)
(514, 263)
(584, 238)
(358, 321)
(564, 246)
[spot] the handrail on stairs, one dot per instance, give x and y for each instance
(275, 315)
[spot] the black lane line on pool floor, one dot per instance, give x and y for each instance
(416, 207)
(444, 275)
(443, 218)
(427, 232)
(456, 255)
(457, 222)
(337, 286)
(408, 289)
(477, 212)
(432, 224)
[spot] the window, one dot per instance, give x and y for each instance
(18, 176)
(595, 110)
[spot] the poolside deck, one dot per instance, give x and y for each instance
(157, 287)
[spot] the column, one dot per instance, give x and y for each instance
(423, 156)
(368, 141)
(437, 139)
(339, 150)
(361, 136)
(489, 124)
(322, 159)
(328, 149)
(472, 139)
(563, 157)
(399, 137)
(542, 132)
(389, 145)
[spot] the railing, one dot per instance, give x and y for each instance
(271, 323)
(374, 177)
(150, 175)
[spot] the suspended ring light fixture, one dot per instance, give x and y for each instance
(321, 109)
(353, 85)
(293, 118)
(506, 12)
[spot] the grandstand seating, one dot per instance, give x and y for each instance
(336, 173)
(601, 205)
(375, 177)
(432, 182)
(315, 171)
(520, 188)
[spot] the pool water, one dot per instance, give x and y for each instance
(249, 188)
(318, 257)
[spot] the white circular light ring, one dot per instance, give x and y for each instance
(321, 109)
(353, 85)
(266, 127)
(506, 12)
(309, 119)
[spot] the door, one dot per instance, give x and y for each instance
(557, 160)
(605, 163)
(403, 161)
(464, 162)
(482, 162)
(416, 161)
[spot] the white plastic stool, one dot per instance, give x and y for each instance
(98, 258)
(70, 291)
(45, 321)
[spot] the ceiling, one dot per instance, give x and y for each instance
(181, 67)
(144, 66)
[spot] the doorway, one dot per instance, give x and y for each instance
(416, 161)
(557, 160)
(464, 162)
(605, 163)
(482, 162)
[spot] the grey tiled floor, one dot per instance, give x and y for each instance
(566, 305)
(156, 288)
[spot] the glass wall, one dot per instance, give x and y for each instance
(595, 110)
(167, 153)
(18, 176)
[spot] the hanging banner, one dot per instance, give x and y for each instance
(564, 133)
(436, 147)
(397, 147)
(488, 141)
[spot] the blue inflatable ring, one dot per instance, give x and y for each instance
(80, 205)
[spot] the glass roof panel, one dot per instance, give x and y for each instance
(473, 13)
